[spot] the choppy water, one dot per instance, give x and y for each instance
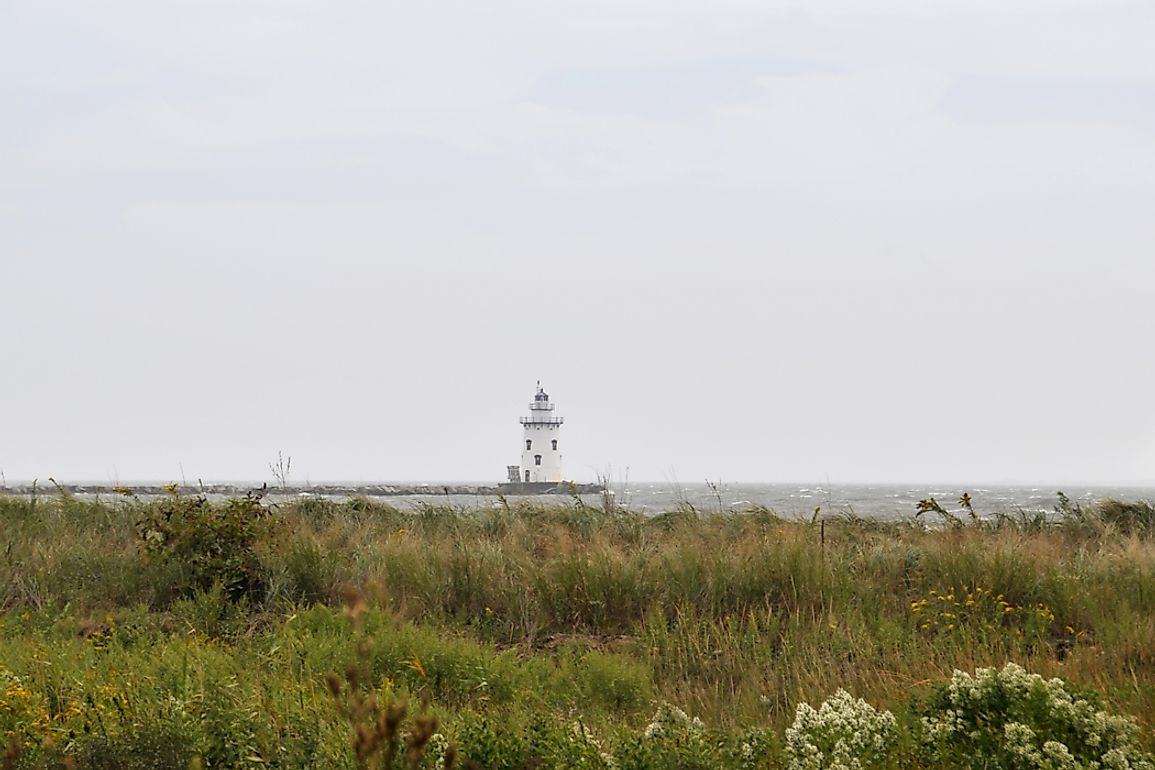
(872, 501)
(879, 501)
(887, 502)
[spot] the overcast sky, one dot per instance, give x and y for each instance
(901, 240)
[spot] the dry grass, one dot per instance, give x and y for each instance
(736, 618)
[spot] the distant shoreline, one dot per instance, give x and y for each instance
(230, 489)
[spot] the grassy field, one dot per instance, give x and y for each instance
(182, 633)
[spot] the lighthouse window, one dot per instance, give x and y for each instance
(528, 444)
(537, 459)
(555, 445)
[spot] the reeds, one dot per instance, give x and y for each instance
(564, 610)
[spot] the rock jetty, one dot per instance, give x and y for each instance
(319, 490)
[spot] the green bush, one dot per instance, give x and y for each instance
(204, 544)
(672, 739)
(1012, 719)
(613, 682)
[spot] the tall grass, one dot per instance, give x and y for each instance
(565, 610)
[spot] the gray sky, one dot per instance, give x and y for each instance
(902, 240)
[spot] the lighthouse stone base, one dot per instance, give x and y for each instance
(549, 488)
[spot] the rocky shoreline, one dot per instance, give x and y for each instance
(318, 490)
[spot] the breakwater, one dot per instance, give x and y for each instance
(320, 490)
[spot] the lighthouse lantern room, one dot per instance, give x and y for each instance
(540, 455)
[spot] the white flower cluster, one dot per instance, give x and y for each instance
(753, 748)
(671, 722)
(584, 735)
(996, 705)
(436, 748)
(844, 733)
(1020, 742)
(8, 678)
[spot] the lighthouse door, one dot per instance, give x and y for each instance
(527, 477)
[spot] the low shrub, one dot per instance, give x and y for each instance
(672, 739)
(1010, 718)
(203, 544)
(841, 734)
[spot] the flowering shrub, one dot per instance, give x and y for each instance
(26, 713)
(752, 750)
(1014, 719)
(672, 739)
(671, 722)
(943, 612)
(583, 737)
(19, 707)
(841, 733)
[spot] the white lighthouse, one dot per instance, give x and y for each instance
(540, 451)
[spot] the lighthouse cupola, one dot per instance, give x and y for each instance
(540, 452)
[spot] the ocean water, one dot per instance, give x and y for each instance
(881, 501)
(878, 501)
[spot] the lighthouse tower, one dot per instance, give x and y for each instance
(540, 456)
